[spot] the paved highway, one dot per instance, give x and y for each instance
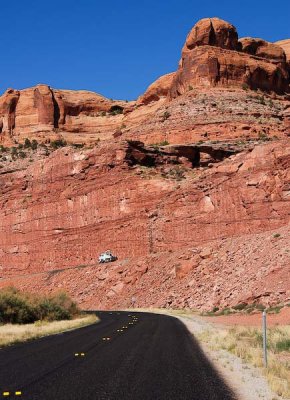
(130, 356)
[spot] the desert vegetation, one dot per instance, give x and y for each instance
(25, 316)
(17, 333)
(244, 308)
(17, 307)
(246, 343)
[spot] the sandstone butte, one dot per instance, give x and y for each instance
(189, 185)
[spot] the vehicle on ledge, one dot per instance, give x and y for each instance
(107, 257)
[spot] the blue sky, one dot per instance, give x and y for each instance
(116, 48)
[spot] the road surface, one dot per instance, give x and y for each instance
(127, 355)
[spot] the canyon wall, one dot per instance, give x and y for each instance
(62, 211)
(189, 185)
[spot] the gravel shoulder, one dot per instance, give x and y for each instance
(245, 380)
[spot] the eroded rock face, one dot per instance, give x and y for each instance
(43, 102)
(8, 103)
(212, 32)
(210, 66)
(212, 56)
(212, 59)
(62, 211)
(157, 90)
(285, 44)
(262, 48)
(42, 112)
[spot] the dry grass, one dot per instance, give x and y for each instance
(246, 343)
(14, 333)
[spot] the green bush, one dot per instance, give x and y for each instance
(283, 345)
(115, 110)
(34, 144)
(165, 115)
(21, 308)
(240, 306)
(157, 145)
(27, 143)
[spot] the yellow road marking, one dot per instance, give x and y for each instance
(6, 393)
(19, 393)
(82, 354)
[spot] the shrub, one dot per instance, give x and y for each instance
(55, 144)
(190, 87)
(259, 306)
(274, 310)
(261, 100)
(283, 345)
(165, 116)
(276, 235)
(27, 143)
(245, 86)
(78, 145)
(20, 308)
(13, 151)
(21, 154)
(14, 308)
(163, 143)
(115, 110)
(34, 144)
(263, 136)
(240, 306)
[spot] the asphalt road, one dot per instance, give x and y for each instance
(132, 356)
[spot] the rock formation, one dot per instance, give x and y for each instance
(149, 206)
(213, 56)
(189, 185)
(263, 49)
(157, 90)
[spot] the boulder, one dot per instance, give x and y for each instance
(262, 48)
(212, 32)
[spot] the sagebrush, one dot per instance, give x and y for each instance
(17, 307)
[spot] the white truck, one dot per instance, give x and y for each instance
(106, 257)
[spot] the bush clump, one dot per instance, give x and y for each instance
(30, 144)
(55, 144)
(17, 307)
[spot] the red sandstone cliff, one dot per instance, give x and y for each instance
(214, 62)
(196, 222)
